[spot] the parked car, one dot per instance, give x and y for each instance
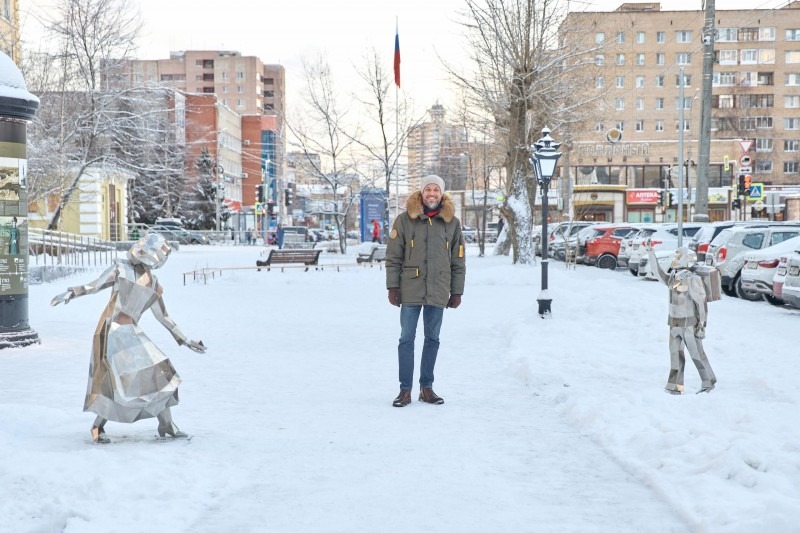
(791, 284)
(559, 236)
(470, 234)
(779, 277)
(602, 245)
(180, 235)
(758, 272)
(727, 251)
(701, 240)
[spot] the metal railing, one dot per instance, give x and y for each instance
(58, 248)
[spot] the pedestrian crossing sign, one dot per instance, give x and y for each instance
(756, 192)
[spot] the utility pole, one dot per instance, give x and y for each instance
(704, 148)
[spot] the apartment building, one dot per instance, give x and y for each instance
(9, 29)
(437, 147)
(631, 148)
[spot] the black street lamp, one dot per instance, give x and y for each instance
(544, 157)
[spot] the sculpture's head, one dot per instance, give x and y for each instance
(151, 250)
(683, 258)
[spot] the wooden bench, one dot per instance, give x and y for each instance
(307, 257)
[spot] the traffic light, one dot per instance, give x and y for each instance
(270, 207)
(662, 197)
(260, 193)
(736, 204)
(740, 186)
(287, 197)
(748, 182)
(670, 199)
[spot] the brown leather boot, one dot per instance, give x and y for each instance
(403, 399)
(428, 396)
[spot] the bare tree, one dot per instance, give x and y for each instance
(322, 132)
(388, 126)
(526, 80)
(93, 36)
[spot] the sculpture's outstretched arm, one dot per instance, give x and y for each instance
(106, 279)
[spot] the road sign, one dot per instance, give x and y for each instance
(756, 191)
(745, 160)
(745, 170)
(746, 144)
(759, 205)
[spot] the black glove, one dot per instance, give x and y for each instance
(454, 301)
(394, 297)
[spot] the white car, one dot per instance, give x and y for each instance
(760, 266)
(664, 258)
(791, 285)
(727, 251)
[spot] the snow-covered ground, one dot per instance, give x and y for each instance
(558, 425)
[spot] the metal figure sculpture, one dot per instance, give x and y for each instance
(688, 311)
(129, 377)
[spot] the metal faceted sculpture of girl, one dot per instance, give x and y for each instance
(129, 377)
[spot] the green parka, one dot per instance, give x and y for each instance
(425, 256)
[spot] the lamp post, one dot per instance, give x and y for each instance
(544, 157)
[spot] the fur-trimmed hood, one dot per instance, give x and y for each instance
(415, 207)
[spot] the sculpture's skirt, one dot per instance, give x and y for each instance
(133, 379)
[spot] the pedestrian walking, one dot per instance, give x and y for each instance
(376, 231)
(425, 273)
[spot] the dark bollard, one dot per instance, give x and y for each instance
(17, 109)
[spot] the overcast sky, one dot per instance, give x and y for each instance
(343, 30)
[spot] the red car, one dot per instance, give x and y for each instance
(602, 248)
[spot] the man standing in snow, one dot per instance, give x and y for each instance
(687, 318)
(425, 271)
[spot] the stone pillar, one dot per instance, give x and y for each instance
(17, 109)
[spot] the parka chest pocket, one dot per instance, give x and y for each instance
(410, 272)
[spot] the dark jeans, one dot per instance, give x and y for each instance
(432, 321)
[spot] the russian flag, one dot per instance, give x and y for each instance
(397, 58)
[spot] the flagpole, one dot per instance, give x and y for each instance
(397, 117)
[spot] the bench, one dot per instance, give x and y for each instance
(376, 253)
(307, 257)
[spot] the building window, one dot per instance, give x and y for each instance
(620, 59)
(793, 34)
(660, 59)
(620, 125)
(791, 123)
(659, 103)
(639, 126)
(224, 88)
(661, 37)
(764, 144)
(748, 56)
(599, 127)
(683, 58)
(724, 79)
(724, 101)
(749, 79)
(620, 37)
(747, 101)
(747, 124)
(685, 125)
(683, 36)
(640, 82)
(640, 103)
(790, 167)
(791, 56)
(727, 35)
(198, 63)
(599, 60)
(764, 123)
(620, 82)
(792, 79)
(791, 101)
(599, 38)
(269, 94)
(198, 77)
(224, 75)
(660, 125)
(599, 82)
(619, 104)
(240, 103)
(748, 34)
(792, 145)
(640, 59)
(727, 57)
(766, 34)
(687, 80)
(239, 89)
(640, 37)
(763, 166)
(659, 81)
(240, 75)
(766, 56)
